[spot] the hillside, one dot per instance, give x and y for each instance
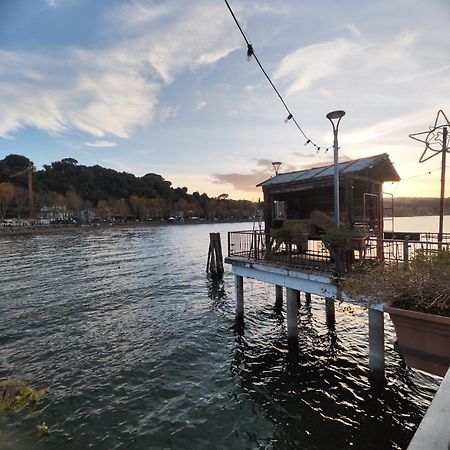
(419, 206)
(69, 186)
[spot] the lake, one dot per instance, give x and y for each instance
(138, 348)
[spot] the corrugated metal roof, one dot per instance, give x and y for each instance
(347, 167)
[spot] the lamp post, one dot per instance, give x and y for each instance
(335, 117)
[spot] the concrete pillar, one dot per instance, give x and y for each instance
(278, 297)
(376, 343)
(299, 303)
(330, 312)
(239, 294)
(292, 309)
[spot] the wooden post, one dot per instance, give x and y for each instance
(292, 321)
(330, 312)
(278, 297)
(376, 344)
(215, 258)
(239, 295)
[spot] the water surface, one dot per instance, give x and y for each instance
(139, 351)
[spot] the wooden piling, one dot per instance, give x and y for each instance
(307, 299)
(330, 312)
(299, 303)
(214, 265)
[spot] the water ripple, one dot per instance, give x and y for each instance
(139, 350)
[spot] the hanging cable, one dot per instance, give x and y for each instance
(422, 174)
(250, 54)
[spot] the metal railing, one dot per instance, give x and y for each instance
(310, 252)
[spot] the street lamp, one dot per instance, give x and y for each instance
(335, 117)
(276, 166)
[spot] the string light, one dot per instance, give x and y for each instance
(250, 54)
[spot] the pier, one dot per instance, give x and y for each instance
(311, 270)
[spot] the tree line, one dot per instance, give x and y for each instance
(68, 186)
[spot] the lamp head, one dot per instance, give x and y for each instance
(276, 166)
(335, 115)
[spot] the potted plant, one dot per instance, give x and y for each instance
(417, 299)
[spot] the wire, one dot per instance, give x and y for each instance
(422, 174)
(250, 53)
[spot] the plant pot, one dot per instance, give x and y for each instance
(423, 339)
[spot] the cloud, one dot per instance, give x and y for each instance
(247, 182)
(200, 105)
(101, 144)
(301, 68)
(386, 127)
(349, 59)
(168, 112)
(111, 90)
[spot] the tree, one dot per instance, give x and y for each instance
(7, 193)
(103, 210)
(74, 202)
(121, 209)
(69, 161)
(21, 197)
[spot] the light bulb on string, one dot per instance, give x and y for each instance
(250, 52)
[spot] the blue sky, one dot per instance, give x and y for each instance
(165, 86)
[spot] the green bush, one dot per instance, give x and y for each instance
(423, 287)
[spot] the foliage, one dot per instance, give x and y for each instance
(7, 193)
(16, 395)
(74, 187)
(424, 287)
(342, 238)
(290, 229)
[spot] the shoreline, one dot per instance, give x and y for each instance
(17, 230)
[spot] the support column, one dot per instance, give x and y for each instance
(376, 343)
(278, 297)
(298, 293)
(292, 309)
(330, 312)
(239, 294)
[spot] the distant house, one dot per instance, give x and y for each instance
(86, 215)
(49, 213)
(308, 195)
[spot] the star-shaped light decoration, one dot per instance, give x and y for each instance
(434, 138)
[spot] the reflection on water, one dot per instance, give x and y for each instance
(139, 349)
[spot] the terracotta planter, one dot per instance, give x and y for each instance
(423, 339)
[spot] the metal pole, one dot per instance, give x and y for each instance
(441, 206)
(336, 180)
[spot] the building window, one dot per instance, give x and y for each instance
(279, 209)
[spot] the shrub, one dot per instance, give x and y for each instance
(424, 287)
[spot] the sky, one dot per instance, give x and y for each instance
(166, 86)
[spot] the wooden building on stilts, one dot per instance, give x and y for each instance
(292, 254)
